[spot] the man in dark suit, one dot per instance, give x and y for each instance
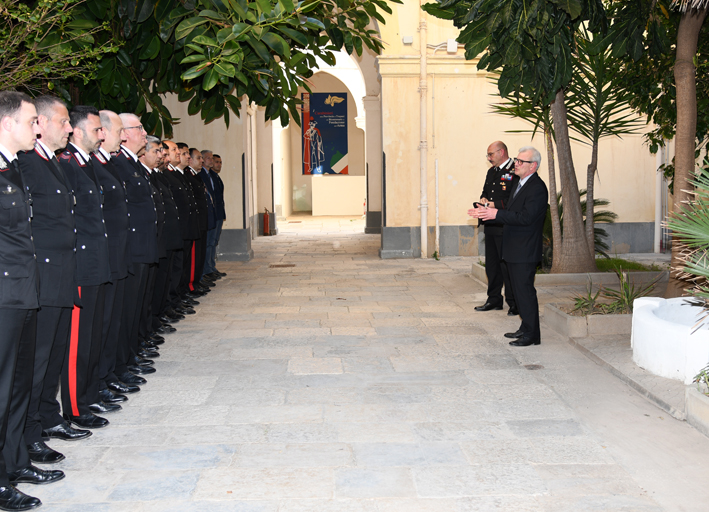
(54, 240)
(218, 200)
(209, 270)
(523, 221)
(496, 193)
(93, 272)
(143, 243)
(18, 302)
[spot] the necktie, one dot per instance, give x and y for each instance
(13, 173)
(519, 186)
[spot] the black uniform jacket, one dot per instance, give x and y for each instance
(143, 235)
(159, 210)
(200, 194)
(53, 226)
(211, 208)
(219, 196)
(524, 222)
(172, 233)
(185, 202)
(498, 187)
(115, 213)
(92, 263)
(18, 267)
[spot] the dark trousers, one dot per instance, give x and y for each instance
(522, 276)
(83, 350)
(112, 317)
(17, 341)
(200, 252)
(145, 326)
(187, 267)
(161, 290)
(174, 296)
(53, 326)
(496, 269)
(132, 305)
(211, 252)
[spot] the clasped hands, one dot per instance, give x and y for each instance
(483, 211)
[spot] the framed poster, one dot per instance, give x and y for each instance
(325, 133)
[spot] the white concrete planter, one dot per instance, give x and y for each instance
(664, 339)
(582, 326)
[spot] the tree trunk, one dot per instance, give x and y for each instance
(575, 255)
(590, 180)
(553, 205)
(685, 138)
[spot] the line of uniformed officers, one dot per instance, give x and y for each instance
(107, 238)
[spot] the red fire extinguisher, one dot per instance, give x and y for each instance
(266, 230)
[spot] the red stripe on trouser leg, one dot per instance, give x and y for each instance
(192, 269)
(73, 352)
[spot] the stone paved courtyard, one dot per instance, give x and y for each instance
(318, 377)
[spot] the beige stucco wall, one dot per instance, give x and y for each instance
(460, 126)
(228, 143)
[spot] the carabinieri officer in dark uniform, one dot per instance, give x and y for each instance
(18, 303)
(496, 193)
(54, 234)
(93, 270)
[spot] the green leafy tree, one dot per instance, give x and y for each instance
(47, 42)
(214, 53)
(641, 27)
(533, 45)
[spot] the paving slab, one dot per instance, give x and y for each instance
(347, 383)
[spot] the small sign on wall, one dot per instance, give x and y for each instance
(325, 133)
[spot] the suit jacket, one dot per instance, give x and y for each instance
(53, 228)
(219, 196)
(524, 222)
(115, 213)
(184, 200)
(200, 194)
(18, 267)
(172, 234)
(204, 174)
(92, 262)
(498, 186)
(143, 235)
(159, 210)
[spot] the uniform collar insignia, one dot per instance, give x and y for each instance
(3, 163)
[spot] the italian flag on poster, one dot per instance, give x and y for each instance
(325, 133)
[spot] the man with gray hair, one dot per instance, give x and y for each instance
(523, 220)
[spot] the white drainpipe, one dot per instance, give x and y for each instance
(423, 90)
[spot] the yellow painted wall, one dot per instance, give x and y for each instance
(460, 126)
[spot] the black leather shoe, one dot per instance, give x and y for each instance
(140, 370)
(131, 379)
(148, 345)
(14, 499)
(185, 311)
(146, 354)
(103, 408)
(65, 432)
(487, 307)
(223, 274)
(141, 361)
(513, 312)
(156, 339)
(40, 453)
(524, 341)
(165, 329)
(34, 475)
(109, 397)
(87, 421)
(190, 302)
(206, 283)
(514, 335)
(122, 387)
(193, 295)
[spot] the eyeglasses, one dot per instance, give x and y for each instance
(520, 161)
(490, 154)
(131, 127)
